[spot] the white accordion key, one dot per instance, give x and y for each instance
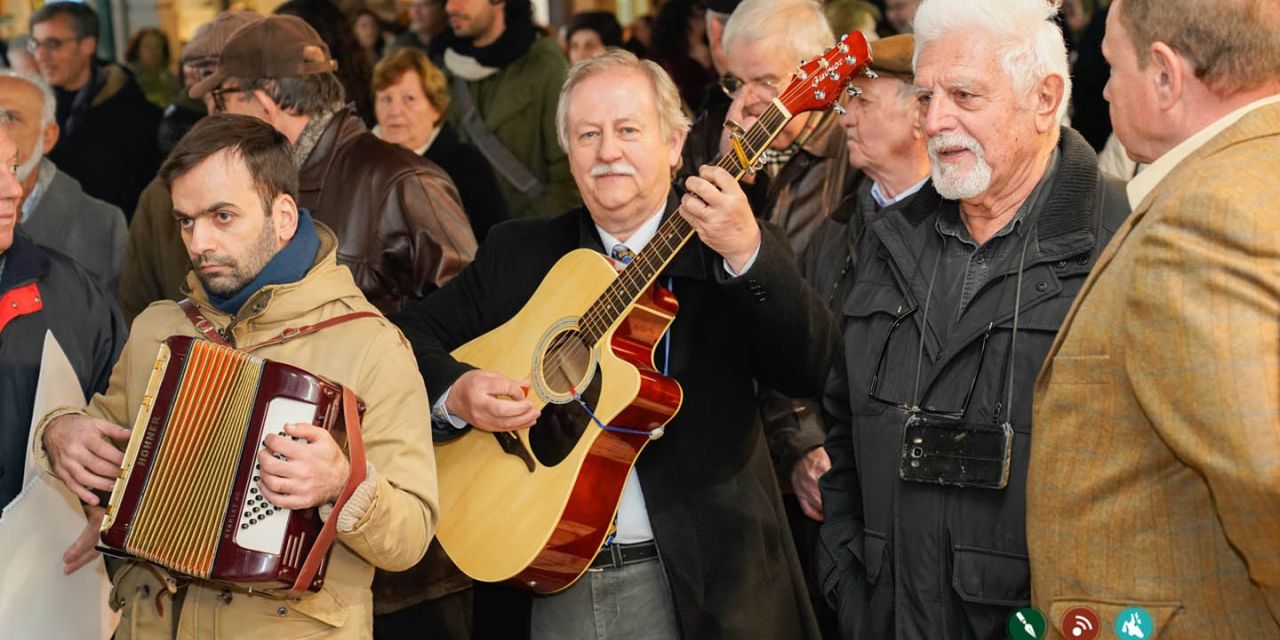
(262, 524)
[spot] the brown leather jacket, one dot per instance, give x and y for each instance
(402, 229)
(403, 232)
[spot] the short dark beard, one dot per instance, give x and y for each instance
(243, 273)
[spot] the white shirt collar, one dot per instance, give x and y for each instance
(883, 202)
(1142, 184)
(640, 238)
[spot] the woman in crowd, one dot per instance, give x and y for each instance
(369, 34)
(148, 57)
(680, 47)
(410, 98)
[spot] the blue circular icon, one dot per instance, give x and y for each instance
(1134, 624)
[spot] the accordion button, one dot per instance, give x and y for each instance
(253, 489)
(281, 612)
(253, 521)
(244, 526)
(255, 508)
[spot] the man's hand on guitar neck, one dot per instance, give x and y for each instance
(718, 210)
(491, 402)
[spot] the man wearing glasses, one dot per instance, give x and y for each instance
(108, 129)
(955, 299)
(806, 169)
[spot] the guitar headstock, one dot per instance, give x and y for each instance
(818, 83)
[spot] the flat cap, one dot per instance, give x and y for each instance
(892, 56)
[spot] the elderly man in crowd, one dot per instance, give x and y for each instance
(56, 212)
(108, 129)
(1155, 478)
(955, 298)
(42, 291)
(400, 226)
(713, 557)
(806, 168)
(263, 264)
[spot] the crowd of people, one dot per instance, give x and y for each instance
(999, 330)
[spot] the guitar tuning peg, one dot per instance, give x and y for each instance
(820, 95)
(802, 61)
(870, 74)
(826, 51)
(838, 109)
(853, 91)
(844, 48)
(844, 37)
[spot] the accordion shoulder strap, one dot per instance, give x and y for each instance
(208, 330)
(355, 453)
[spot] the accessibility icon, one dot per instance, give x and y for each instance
(1134, 624)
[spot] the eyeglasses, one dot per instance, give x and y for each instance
(731, 85)
(219, 97)
(884, 351)
(48, 44)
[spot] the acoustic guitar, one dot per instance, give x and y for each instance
(532, 507)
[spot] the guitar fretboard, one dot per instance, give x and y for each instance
(672, 235)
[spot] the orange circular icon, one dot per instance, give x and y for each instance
(1080, 623)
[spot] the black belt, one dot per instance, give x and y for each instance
(616, 556)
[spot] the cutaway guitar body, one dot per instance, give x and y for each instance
(533, 506)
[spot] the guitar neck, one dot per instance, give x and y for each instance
(674, 233)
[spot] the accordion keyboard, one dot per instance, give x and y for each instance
(262, 524)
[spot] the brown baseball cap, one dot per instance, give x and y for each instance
(273, 47)
(892, 56)
(213, 35)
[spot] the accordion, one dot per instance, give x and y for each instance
(187, 496)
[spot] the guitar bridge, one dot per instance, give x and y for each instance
(510, 443)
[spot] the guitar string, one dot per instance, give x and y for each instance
(623, 287)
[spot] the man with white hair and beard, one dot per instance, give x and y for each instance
(55, 210)
(956, 298)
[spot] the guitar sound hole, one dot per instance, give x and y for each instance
(560, 426)
(565, 365)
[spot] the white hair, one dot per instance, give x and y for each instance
(671, 114)
(50, 103)
(800, 24)
(1032, 47)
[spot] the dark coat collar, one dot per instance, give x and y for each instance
(24, 262)
(691, 262)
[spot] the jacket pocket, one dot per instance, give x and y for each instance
(324, 606)
(1162, 612)
(990, 577)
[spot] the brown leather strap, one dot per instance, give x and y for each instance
(202, 323)
(292, 332)
(355, 453)
(205, 327)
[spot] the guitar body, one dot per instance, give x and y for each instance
(533, 506)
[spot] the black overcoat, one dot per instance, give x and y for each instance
(708, 483)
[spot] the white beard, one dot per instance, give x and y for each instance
(951, 181)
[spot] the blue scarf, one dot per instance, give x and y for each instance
(289, 264)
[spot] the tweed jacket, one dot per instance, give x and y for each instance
(1155, 465)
